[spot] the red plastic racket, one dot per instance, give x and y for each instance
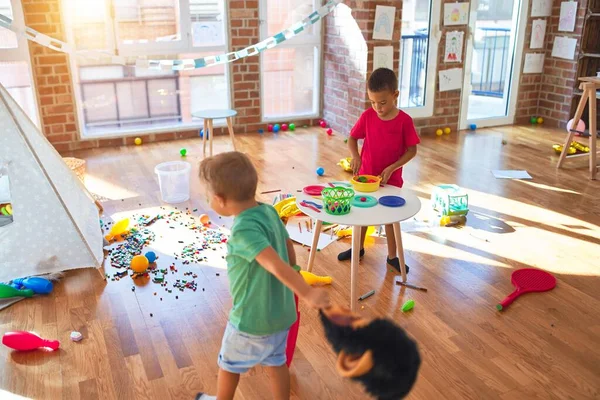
(528, 280)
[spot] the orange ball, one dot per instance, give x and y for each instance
(139, 264)
(205, 219)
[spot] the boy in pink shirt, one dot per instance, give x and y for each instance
(390, 141)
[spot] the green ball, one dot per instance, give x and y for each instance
(183, 152)
(533, 120)
(292, 127)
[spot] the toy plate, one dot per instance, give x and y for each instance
(392, 201)
(313, 190)
(370, 201)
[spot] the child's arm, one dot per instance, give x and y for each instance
(356, 161)
(291, 252)
(411, 152)
(270, 260)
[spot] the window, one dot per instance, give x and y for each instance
(15, 68)
(122, 99)
(290, 73)
(418, 56)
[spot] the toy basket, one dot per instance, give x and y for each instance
(337, 200)
(76, 165)
(366, 187)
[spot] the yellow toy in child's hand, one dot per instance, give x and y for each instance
(313, 279)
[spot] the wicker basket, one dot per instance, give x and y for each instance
(76, 165)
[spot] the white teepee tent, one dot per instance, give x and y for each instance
(55, 223)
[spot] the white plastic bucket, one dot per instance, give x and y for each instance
(174, 181)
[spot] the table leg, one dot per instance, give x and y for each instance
(204, 136)
(230, 128)
(593, 134)
(356, 245)
(211, 137)
(400, 249)
(576, 118)
(315, 243)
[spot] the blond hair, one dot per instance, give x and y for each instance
(230, 175)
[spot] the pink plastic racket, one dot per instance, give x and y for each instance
(528, 280)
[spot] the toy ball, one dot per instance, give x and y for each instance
(533, 120)
(183, 153)
(580, 126)
(261, 131)
(139, 264)
(202, 133)
(320, 171)
(473, 127)
(276, 128)
(284, 127)
(323, 124)
(292, 127)
(540, 120)
(137, 141)
(504, 142)
(270, 128)
(330, 131)
(447, 131)
(151, 256)
(439, 132)
(204, 219)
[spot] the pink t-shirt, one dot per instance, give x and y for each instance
(385, 142)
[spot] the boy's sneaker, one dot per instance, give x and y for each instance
(347, 255)
(202, 396)
(395, 263)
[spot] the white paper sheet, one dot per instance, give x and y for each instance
(454, 46)
(451, 79)
(511, 174)
(568, 16)
(534, 63)
(305, 236)
(456, 14)
(385, 17)
(538, 34)
(541, 8)
(383, 57)
(564, 47)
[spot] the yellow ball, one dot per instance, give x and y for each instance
(139, 264)
(137, 141)
(445, 220)
(540, 120)
(447, 131)
(439, 132)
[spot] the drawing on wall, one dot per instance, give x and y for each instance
(384, 23)
(454, 46)
(207, 33)
(564, 47)
(541, 8)
(534, 63)
(383, 57)
(568, 16)
(538, 34)
(451, 79)
(456, 14)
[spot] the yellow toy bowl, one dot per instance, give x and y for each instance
(365, 187)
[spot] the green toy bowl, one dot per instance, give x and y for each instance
(337, 200)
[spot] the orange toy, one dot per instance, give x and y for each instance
(205, 219)
(139, 264)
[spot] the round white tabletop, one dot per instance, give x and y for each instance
(378, 215)
(214, 114)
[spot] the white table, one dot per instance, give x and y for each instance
(359, 217)
(208, 116)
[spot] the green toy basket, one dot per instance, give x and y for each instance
(337, 200)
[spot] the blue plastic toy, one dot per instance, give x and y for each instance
(151, 256)
(261, 131)
(202, 133)
(35, 283)
(276, 128)
(320, 171)
(473, 127)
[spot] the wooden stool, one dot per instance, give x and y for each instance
(589, 86)
(208, 116)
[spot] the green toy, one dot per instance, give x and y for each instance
(409, 305)
(7, 291)
(183, 152)
(450, 200)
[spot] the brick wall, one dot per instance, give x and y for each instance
(348, 54)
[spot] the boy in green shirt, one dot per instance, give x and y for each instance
(261, 278)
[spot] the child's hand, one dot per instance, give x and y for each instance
(386, 175)
(317, 298)
(355, 164)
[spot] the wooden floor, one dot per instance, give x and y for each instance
(545, 346)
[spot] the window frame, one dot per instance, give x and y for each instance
(149, 50)
(432, 63)
(314, 41)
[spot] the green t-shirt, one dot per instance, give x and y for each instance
(262, 305)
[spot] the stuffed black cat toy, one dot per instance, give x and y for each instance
(376, 353)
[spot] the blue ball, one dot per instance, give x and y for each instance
(261, 131)
(276, 128)
(472, 127)
(320, 171)
(151, 256)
